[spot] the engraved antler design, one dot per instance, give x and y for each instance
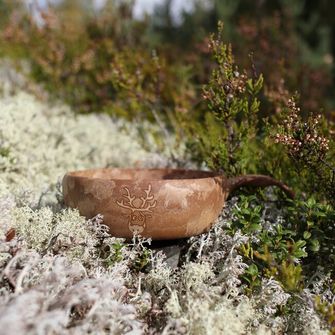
(129, 198)
(148, 201)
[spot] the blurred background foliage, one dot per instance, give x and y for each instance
(92, 57)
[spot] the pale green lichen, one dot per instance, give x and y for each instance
(35, 227)
(195, 275)
(42, 143)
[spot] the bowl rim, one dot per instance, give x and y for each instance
(209, 174)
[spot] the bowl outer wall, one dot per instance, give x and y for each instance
(176, 208)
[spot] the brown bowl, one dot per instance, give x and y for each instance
(157, 203)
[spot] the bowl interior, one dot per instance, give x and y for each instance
(143, 174)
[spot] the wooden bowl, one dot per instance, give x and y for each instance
(157, 203)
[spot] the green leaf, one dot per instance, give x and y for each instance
(307, 235)
(311, 203)
(259, 84)
(310, 224)
(315, 245)
(300, 243)
(254, 227)
(253, 270)
(250, 86)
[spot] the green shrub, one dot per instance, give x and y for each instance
(293, 248)
(307, 142)
(227, 136)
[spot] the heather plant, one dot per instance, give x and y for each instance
(232, 131)
(229, 129)
(307, 142)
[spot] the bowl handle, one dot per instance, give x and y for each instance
(258, 180)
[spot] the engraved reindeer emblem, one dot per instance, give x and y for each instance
(139, 207)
